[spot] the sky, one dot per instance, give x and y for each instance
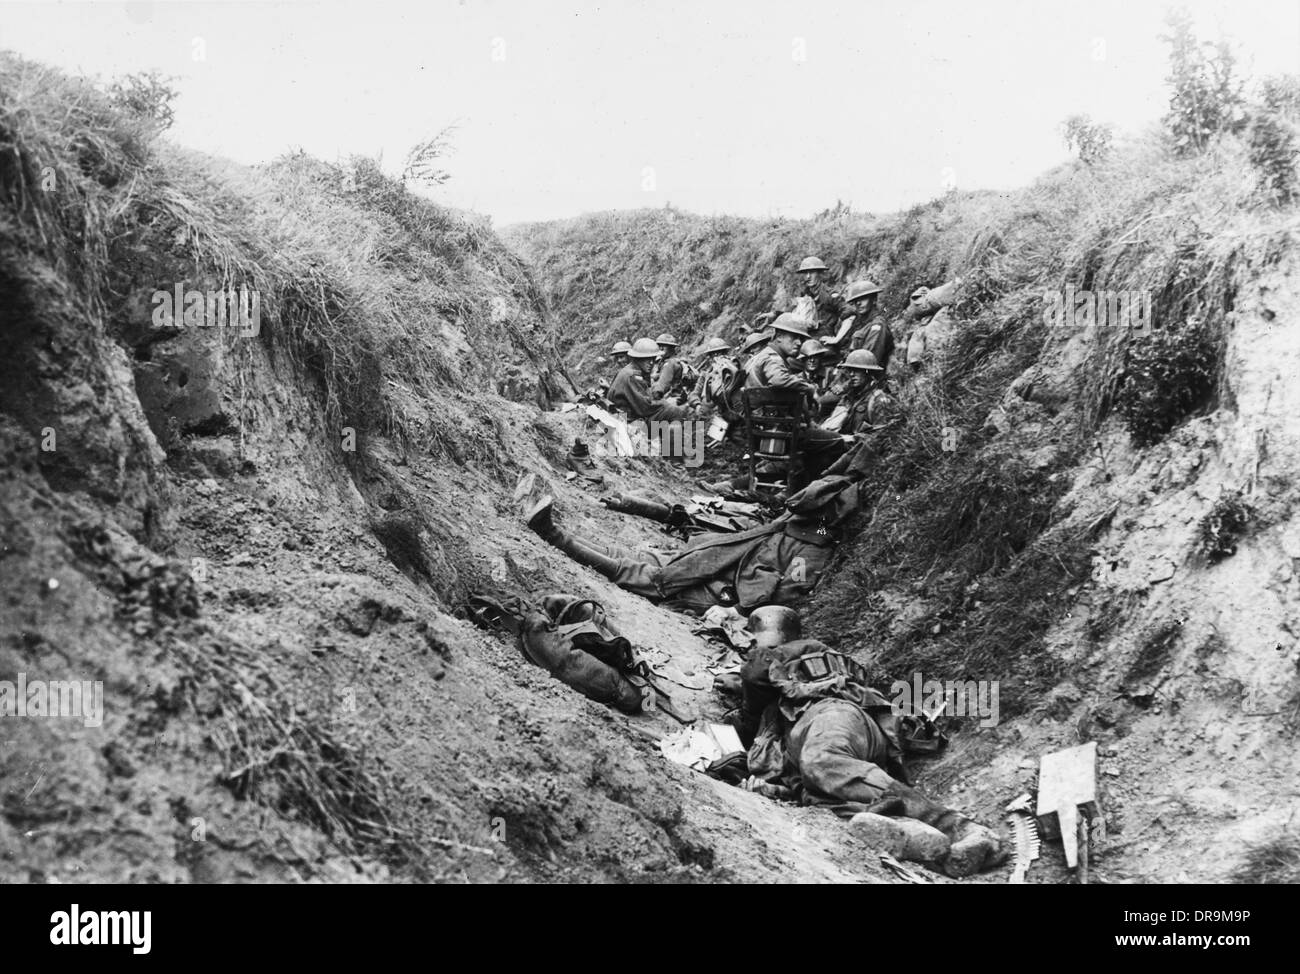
(752, 108)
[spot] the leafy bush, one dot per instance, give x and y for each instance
(1224, 526)
(1273, 151)
(1280, 94)
(1206, 96)
(1090, 139)
(1169, 375)
(146, 95)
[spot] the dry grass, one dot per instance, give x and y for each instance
(1274, 861)
(365, 287)
(293, 759)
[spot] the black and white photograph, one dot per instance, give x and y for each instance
(651, 443)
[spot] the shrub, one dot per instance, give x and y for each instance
(1280, 94)
(1206, 94)
(146, 95)
(1169, 375)
(1090, 139)
(1271, 144)
(1223, 527)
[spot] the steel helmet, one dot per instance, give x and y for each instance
(810, 264)
(714, 344)
(756, 339)
(861, 289)
(789, 323)
(861, 359)
(812, 347)
(667, 339)
(773, 625)
(645, 348)
(620, 348)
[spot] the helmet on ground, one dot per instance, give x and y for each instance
(714, 344)
(810, 264)
(667, 339)
(862, 360)
(861, 289)
(620, 348)
(773, 625)
(789, 323)
(645, 348)
(756, 339)
(812, 347)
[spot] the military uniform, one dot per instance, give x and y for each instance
(827, 308)
(778, 563)
(717, 381)
(872, 409)
(769, 369)
(669, 381)
(878, 339)
(834, 740)
(631, 393)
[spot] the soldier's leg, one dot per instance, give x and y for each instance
(636, 571)
(640, 506)
(595, 680)
(839, 751)
(821, 450)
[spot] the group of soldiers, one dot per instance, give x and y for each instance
(833, 346)
(812, 726)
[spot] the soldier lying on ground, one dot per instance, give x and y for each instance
(814, 725)
(778, 563)
(572, 639)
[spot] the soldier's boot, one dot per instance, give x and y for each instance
(731, 485)
(639, 506)
(580, 462)
(974, 846)
(540, 521)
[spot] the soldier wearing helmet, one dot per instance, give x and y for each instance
(868, 404)
(815, 727)
(817, 360)
(772, 367)
(865, 329)
(718, 374)
(810, 359)
(669, 378)
(866, 412)
(630, 391)
(618, 357)
(751, 345)
(818, 304)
